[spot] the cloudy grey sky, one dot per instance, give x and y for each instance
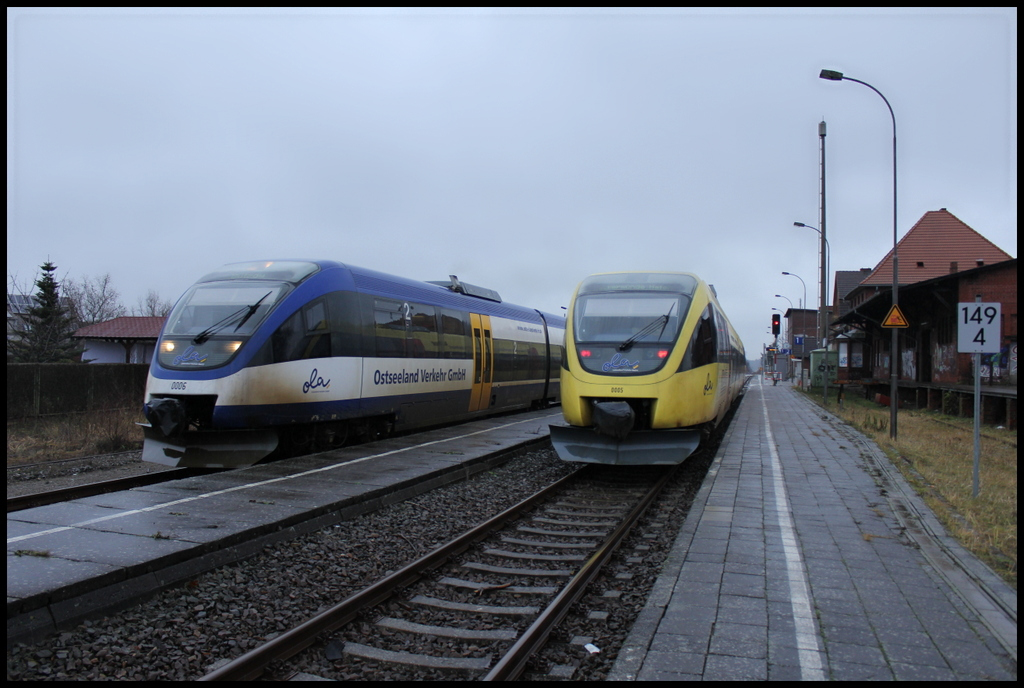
(521, 151)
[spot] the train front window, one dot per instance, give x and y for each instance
(618, 318)
(627, 333)
(229, 308)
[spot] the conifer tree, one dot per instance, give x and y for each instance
(48, 327)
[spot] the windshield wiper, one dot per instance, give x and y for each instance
(660, 320)
(252, 309)
(203, 336)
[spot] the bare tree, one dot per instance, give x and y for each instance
(152, 305)
(94, 299)
(16, 286)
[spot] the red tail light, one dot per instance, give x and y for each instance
(585, 353)
(663, 353)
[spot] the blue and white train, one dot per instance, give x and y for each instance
(302, 355)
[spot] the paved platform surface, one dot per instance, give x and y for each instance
(808, 557)
(69, 561)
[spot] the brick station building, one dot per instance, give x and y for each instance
(942, 262)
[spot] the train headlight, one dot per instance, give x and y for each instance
(166, 346)
(232, 347)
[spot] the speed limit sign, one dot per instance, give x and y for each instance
(980, 328)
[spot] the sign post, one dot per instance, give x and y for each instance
(894, 320)
(979, 332)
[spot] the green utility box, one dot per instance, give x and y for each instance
(818, 362)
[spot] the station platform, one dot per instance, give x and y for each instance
(70, 561)
(806, 556)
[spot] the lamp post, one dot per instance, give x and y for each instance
(831, 75)
(826, 252)
(804, 304)
(803, 321)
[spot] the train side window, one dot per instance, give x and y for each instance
(316, 316)
(389, 322)
(306, 334)
(422, 332)
(487, 356)
(405, 330)
(286, 338)
(455, 334)
(317, 340)
(477, 354)
(346, 323)
(724, 338)
(707, 341)
(703, 347)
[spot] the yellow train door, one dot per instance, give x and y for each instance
(483, 361)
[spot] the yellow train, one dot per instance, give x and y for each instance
(651, 364)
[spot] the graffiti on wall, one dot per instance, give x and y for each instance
(944, 363)
(909, 364)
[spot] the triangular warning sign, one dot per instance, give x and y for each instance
(895, 318)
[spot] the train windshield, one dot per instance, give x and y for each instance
(233, 308)
(628, 319)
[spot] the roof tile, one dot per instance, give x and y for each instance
(128, 327)
(938, 239)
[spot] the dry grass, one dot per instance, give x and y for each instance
(935, 453)
(65, 437)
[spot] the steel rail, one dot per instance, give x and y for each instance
(512, 664)
(253, 663)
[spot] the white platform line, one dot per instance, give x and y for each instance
(808, 647)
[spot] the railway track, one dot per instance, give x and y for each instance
(64, 494)
(479, 606)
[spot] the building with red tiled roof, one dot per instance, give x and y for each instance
(942, 262)
(939, 244)
(130, 339)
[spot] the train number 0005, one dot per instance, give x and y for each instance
(178, 386)
(617, 390)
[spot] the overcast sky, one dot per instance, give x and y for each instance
(521, 151)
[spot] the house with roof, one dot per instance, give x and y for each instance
(129, 339)
(18, 306)
(801, 337)
(942, 262)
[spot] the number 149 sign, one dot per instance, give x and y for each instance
(980, 328)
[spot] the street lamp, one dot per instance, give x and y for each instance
(826, 255)
(802, 320)
(831, 75)
(801, 282)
